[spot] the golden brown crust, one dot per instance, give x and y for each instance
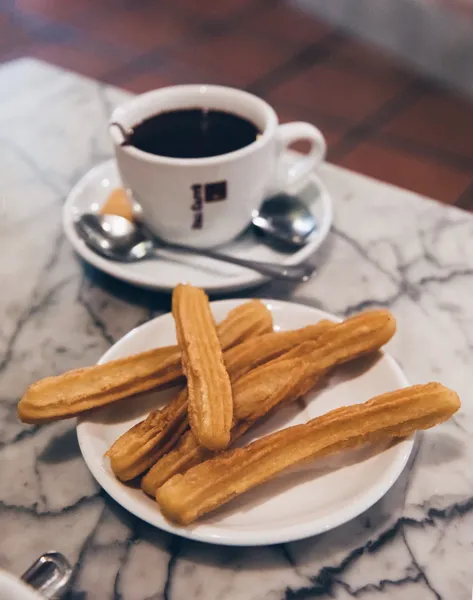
(129, 457)
(83, 389)
(283, 379)
(118, 203)
(355, 337)
(184, 498)
(209, 392)
(247, 321)
(275, 385)
(244, 357)
(180, 459)
(142, 445)
(77, 391)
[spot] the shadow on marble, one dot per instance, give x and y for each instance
(61, 448)
(161, 301)
(156, 301)
(443, 448)
(368, 532)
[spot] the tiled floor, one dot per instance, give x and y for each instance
(379, 118)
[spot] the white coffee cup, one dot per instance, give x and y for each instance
(205, 202)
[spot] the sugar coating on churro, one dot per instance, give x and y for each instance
(184, 498)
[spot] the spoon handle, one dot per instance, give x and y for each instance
(300, 272)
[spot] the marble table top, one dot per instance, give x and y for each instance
(388, 248)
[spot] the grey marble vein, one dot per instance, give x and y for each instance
(388, 248)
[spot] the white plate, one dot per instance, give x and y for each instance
(214, 276)
(297, 504)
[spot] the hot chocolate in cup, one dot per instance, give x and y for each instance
(200, 159)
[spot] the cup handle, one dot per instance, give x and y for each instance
(297, 173)
(120, 135)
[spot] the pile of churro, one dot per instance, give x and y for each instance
(229, 376)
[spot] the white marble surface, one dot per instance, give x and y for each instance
(388, 248)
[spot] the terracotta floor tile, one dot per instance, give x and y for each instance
(337, 92)
(465, 201)
(441, 120)
(429, 178)
(333, 132)
(98, 37)
(332, 136)
(69, 10)
(143, 82)
(213, 9)
(75, 59)
(461, 7)
(56, 9)
(139, 30)
(13, 33)
(290, 112)
(239, 58)
(368, 59)
(8, 54)
(150, 79)
(286, 24)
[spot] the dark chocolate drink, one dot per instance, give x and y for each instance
(193, 133)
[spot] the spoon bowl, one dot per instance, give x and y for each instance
(119, 239)
(286, 218)
(113, 237)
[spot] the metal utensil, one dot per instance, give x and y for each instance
(120, 240)
(285, 218)
(49, 575)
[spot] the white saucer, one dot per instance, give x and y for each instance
(214, 276)
(295, 505)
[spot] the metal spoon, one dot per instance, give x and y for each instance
(118, 239)
(49, 575)
(285, 218)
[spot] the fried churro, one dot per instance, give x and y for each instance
(209, 391)
(268, 384)
(119, 204)
(284, 379)
(355, 337)
(79, 390)
(140, 447)
(205, 487)
(249, 355)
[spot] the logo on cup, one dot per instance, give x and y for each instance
(208, 192)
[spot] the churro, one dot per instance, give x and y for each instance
(79, 390)
(119, 204)
(268, 384)
(284, 379)
(209, 391)
(205, 487)
(144, 444)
